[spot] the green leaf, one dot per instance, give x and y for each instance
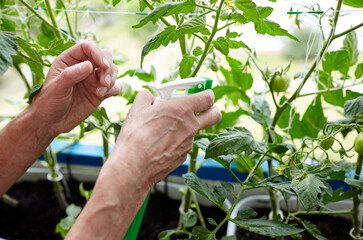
(239, 78)
(84, 193)
(189, 219)
(211, 221)
(7, 25)
(221, 45)
(350, 44)
(56, 47)
(66, 223)
(235, 141)
(359, 71)
(230, 118)
(186, 65)
(170, 34)
(225, 161)
(284, 119)
(281, 148)
(235, 44)
(140, 74)
(166, 9)
(354, 3)
(313, 120)
(165, 235)
(34, 92)
(338, 196)
(336, 61)
(73, 211)
(228, 187)
(115, 2)
(200, 233)
(266, 227)
(31, 50)
(354, 182)
(245, 214)
(197, 51)
(217, 195)
(248, 7)
(336, 97)
(193, 26)
(117, 129)
(353, 107)
(261, 110)
(9, 48)
(271, 28)
(307, 190)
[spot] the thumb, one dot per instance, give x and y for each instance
(143, 99)
(75, 73)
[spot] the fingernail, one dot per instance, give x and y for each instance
(108, 79)
(102, 91)
(106, 62)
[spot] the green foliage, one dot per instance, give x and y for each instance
(353, 107)
(235, 141)
(66, 223)
(9, 48)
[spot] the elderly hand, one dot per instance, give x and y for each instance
(78, 81)
(157, 137)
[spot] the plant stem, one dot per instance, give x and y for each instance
(67, 19)
(105, 146)
(229, 212)
(197, 208)
(9, 200)
(347, 31)
(52, 18)
(328, 90)
(182, 42)
(55, 29)
(185, 203)
(280, 110)
(356, 200)
(57, 187)
(209, 42)
(23, 78)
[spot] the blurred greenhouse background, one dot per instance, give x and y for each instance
(112, 29)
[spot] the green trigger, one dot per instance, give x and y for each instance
(197, 88)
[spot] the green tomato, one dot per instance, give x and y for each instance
(214, 66)
(325, 142)
(280, 83)
(358, 144)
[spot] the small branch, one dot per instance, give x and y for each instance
(205, 7)
(227, 25)
(52, 18)
(196, 35)
(329, 90)
(347, 31)
(67, 19)
(207, 45)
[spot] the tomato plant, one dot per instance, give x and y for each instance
(207, 33)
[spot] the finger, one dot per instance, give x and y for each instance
(76, 73)
(210, 117)
(86, 50)
(114, 91)
(200, 101)
(144, 98)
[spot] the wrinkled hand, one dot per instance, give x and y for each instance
(78, 81)
(156, 138)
